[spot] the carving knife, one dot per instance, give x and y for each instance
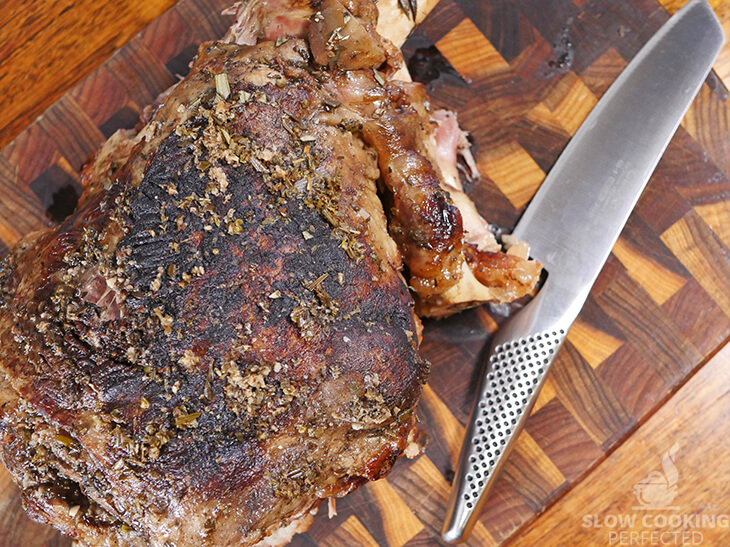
(571, 225)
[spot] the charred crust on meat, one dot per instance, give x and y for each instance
(179, 344)
(220, 337)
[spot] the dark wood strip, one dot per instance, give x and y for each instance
(638, 387)
(445, 432)
(696, 420)
(424, 538)
(426, 492)
(701, 252)
(664, 347)
(455, 349)
(661, 204)
(592, 403)
(563, 439)
(141, 73)
(542, 140)
(708, 183)
(491, 203)
(204, 17)
(549, 18)
(622, 24)
(507, 95)
(698, 317)
(604, 70)
(653, 17)
(505, 509)
(639, 235)
(75, 135)
(324, 526)
(532, 481)
(443, 17)
(351, 532)
(593, 314)
(168, 35)
(31, 153)
(707, 119)
(17, 529)
(20, 210)
(503, 24)
(100, 83)
(368, 512)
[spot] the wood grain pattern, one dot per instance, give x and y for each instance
(522, 74)
(702, 434)
(38, 63)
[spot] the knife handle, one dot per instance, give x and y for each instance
(516, 369)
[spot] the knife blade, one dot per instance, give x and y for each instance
(571, 225)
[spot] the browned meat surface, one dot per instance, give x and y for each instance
(220, 338)
(446, 245)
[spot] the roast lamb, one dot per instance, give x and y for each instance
(224, 334)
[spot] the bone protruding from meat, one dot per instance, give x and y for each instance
(449, 140)
(267, 20)
(221, 337)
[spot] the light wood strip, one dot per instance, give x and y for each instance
(351, 532)
(656, 280)
(672, 6)
(470, 53)
(45, 47)
(538, 460)
(399, 522)
(717, 217)
(425, 470)
(514, 172)
(699, 250)
(575, 102)
(543, 116)
(594, 345)
(546, 394)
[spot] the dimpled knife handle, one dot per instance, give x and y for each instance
(515, 372)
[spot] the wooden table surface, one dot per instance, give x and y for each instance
(636, 410)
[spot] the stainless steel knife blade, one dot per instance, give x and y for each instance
(571, 225)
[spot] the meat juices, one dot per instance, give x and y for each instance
(220, 337)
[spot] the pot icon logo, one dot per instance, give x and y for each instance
(658, 490)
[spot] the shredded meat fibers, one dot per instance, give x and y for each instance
(221, 336)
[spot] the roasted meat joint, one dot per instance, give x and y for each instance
(225, 333)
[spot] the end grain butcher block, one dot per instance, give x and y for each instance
(522, 75)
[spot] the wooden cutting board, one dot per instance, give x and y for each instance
(522, 74)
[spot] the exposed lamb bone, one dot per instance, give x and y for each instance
(207, 348)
